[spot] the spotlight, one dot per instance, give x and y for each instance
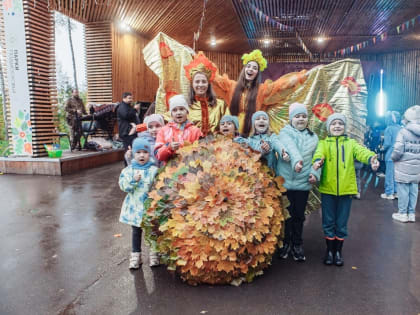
(124, 27)
(267, 41)
(213, 42)
(320, 39)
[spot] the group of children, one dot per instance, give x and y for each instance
(295, 154)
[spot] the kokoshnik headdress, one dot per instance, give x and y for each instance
(201, 63)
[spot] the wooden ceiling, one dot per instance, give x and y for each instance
(237, 28)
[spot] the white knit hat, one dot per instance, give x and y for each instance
(154, 118)
(178, 101)
(413, 114)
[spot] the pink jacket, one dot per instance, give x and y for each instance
(171, 133)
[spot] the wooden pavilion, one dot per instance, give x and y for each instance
(286, 31)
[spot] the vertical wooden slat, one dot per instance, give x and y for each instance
(98, 51)
(40, 38)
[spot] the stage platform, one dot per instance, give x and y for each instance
(69, 163)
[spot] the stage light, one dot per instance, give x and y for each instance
(213, 42)
(124, 27)
(320, 39)
(267, 41)
(381, 97)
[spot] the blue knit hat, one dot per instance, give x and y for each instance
(231, 118)
(258, 114)
(295, 109)
(333, 117)
(141, 144)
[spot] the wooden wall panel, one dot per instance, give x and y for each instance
(401, 79)
(98, 48)
(129, 71)
(40, 38)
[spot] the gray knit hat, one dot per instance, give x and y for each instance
(333, 117)
(297, 108)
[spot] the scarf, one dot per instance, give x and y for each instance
(205, 126)
(137, 166)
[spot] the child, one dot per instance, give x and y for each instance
(300, 144)
(390, 134)
(406, 156)
(136, 180)
(154, 123)
(336, 153)
(172, 137)
(229, 126)
(261, 137)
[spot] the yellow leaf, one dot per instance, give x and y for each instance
(207, 166)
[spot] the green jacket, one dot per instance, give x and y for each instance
(338, 176)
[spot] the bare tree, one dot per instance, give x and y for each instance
(67, 23)
(72, 53)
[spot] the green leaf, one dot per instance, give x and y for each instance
(147, 203)
(163, 220)
(183, 170)
(21, 115)
(24, 126)
(15, 131)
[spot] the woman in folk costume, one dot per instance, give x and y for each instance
(248, 95)
(205, 109)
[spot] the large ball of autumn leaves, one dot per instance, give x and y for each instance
(214, 213)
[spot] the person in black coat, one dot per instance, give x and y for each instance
(127, 120)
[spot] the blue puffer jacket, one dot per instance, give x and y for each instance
(300, 146)
(390, 133)
(255, 143)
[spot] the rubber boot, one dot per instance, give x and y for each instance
(329, 255)
(338, 258)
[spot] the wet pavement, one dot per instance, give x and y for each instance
(60, 253)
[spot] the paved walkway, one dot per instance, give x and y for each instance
(59, 255)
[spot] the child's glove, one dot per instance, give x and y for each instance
(137, 176)
(265, 147)
(318, 164)
(174, 146)
(285, 156)
(374, 163)
(312, 179)
(298, 167)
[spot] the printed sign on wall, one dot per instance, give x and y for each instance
(17, 74)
